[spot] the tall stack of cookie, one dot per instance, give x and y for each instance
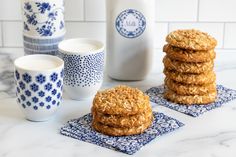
(189, 64)
(121, 111)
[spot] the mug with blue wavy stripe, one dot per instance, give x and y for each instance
(39, 83)
(41, 46)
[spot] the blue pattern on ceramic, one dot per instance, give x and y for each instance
(54, 92)
(17, 75)
(27, 78)
(54, 77)
(83, 71)
(42, 7)
(130, 23)
(62, 25)
(33, 96)
(48, 86)
(41, 104)
(22, 85)
(28, 7)
(41, 94)
(35, 41)
(28, 103)
(45, 28)
(28, 93)
(40, 79)
(35, 99)
(34, 87)
(224, 95)
(31, 52)
(41, 46)
(26, 27)
(81, 129)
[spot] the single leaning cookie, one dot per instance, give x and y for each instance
(121, 100)
(191, 39)
(183, 55)
(188, 89)
(116, 131)
(189, 99)
(123, 121)
(186, 67)
(195, 79)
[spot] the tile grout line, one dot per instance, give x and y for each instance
(198, 10)
(196, 21)
(84, 11)
(20, 47)
(85, 21)
(223, 40)
(93, 21)
(101, 21)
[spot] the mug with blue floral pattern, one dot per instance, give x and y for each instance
(84, 66)
(39, 83)
(43, 18)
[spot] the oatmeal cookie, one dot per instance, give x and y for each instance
(116, 131)
(190, 99)
(191, 39)
(195, 79)
(183, 55)
(186, 67)
(185, 89)
(121, 100)
(123, 121)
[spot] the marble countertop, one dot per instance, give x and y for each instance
(210, 135)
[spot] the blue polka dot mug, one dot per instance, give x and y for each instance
(39, 83)
(84, 66)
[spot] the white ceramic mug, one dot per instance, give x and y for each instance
(84, 66)
(39, 82)
(43, 18)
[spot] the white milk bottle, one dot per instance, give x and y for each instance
(130, 33)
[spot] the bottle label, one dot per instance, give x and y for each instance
(130, 23)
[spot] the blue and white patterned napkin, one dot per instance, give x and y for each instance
(81, 129)
(224, 95)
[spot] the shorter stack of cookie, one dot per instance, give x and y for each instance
(121, 111)
(189, 64)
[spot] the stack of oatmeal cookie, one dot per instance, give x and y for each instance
(189, 64)
(121, 111)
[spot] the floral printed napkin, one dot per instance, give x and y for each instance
(224, 95)
(81, 129)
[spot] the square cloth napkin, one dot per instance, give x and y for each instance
(81, 129)
(224, 95)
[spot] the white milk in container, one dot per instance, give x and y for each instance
(130, 33)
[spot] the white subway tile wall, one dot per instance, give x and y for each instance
(95, 10)
(74, 10)
(94, 30)
(230, 35)
(217, 10)
(180, 10)
(10, 10)
(160, 34)
(12, 34)
(86, 18)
